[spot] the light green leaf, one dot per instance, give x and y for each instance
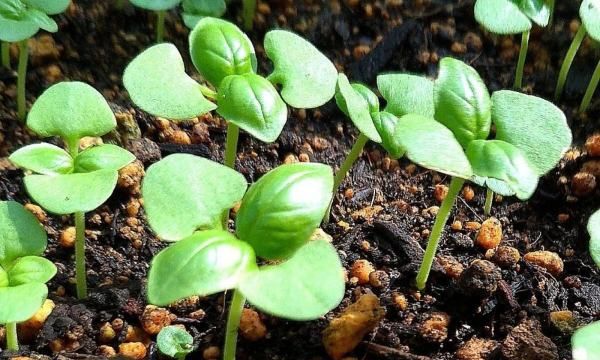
(31, 269)
(40, 19)
(593, 227)
(19, 303)
(175, 342)
(407, 94)
(369, 96)
(537, 10)
(387, 126)
(184, 193)
(102, 157)
(157, 83)
(3, 278)
(252, 103)
(283, 208)
(156, 5)
(589, 11)
(12, 9)
(308, 79)
(203, 264)
(20, 232)
(501, 17)
(497, 186)
(67, 194)
(305, 287)
(585, 342)
(17, 30)
(536, 126)
(50, 7)
(357, 108)
(195, 10)
(43, 158)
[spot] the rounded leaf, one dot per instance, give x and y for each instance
(19, 303)
(205, 263)
(102, 157)
(357, 107)
(282, 209)
(307, 77)
(590, 16)
(40, 19)
(156, 5)
(593, 227)
(407, 94)
(195, 10)
(387, 126)
(183, 193)
(501, 17)
(43, 159)
(31, 269)
(174, 341)
(585, 342)
(20, 232)
(17, 30)
(50, 7)
(252, 103)
(366, 93)
(157, 83)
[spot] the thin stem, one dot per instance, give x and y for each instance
(551, 6)
(521, 63)
(233, 323)
(160, 25)
(6, 54)
(80, 274)
(436, 232)
(208, 92)
(21, 77)
(249, 11)
(233, 133)
(566, 65)
(489, 196)
(12, 341)
(589, 92)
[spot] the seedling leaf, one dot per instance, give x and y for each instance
(537, 10)
(31, 269)
(407, 94)
(593, 228)
(501, 17)
(16, 30)
(102, 157)
(156, 5)
(497, 186)
(175, 342)
(19, 303)
(40, 19)
(3, 278)
(369, 96)
(196, 10)
(590, 16)
(585, 342)
(21, 234)
(357, 108)
(386, 124)
(43, 158)
(50, 7)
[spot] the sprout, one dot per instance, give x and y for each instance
(160, 7)
(23, 272)
(20, 20)
(71, 182)
(195, 10)
(275, 221)
(175, 342)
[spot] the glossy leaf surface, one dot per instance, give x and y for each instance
(357, 107)
(31, 269)
(366, 93)
(20, 232)
(103, 157)
(19, 303)
(407, 94)
(43, 158)
(387, 126)
(501, 16)
(590, 16)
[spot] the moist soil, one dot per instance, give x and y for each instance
(382, 213)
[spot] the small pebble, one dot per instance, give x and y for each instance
(452, 267)
(476, 349)
(564, 321)
(440, 192)
(361, 269)
(400, 301)
(211, 353)
(548, 260)
(39, 213)
(468, 193)
(153, 319)
(252, 327)
(435, 328)
(480, 279)
(583, 184)
(67, 237)
(490, 234)
(379, 279)
(133, 350)
(592, 145)
(506, 256)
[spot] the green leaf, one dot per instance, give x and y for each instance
(357, 108)
(19, 303)
(589, 11)
(31, 269)
(387, 124)
(175, 342)
(537, 10)
(500, 160)
(195, 10)
(593, 227)
(431, 145)
(184, 193)
(585, 342)
(12, 9)
(497, 186)
(462, 101)
(252, 103)
(156, 5)
(71, 110)
(102, 157)
(205, 263)
(43, 158)
(369, 96)
(308, 79)
(17, 30)
(67, 194)
(40, 19)
(20, 232)
(50, 7)
(305, 287)
(3, 278)
(157, 83)
(219, 48)
(536, 126)
(501, 17)
(283, 208)
(407, 94)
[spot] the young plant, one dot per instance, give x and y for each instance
(20, 20)
(195, 10)
(23, 272)
(225, 57)
(506, 17)
(160, 7)
(71, 182)
(175, 342)
(303, 278)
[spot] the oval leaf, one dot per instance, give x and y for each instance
(386, 124)
(585, 342)
(175, 342)
(357, 108)
(308, 79)
(501, 17)
(17, 30)
(50, 7)
(195, 10)
(31, 269)
(407, 94)
(43, 158)
(184, 193)
(308, 285)
(19, 303)
(369, 96)
(102, 157)
(252, 103)
(590, 15)
(202, 264)
(40, 19)
(20, 232)
(156, 5)
(593, 227)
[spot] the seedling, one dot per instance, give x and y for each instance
(589, 11)
(195, 10)
(160, 7)
(20, 20)
(71, 182)
(175, 342)
(506, 17)
(225, 57)
(23, 272)
(277, 216)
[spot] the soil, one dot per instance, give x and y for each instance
(382, 214)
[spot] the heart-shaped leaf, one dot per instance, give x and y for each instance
(501, 17)
(19, 303)
(103, 157)
(536, 126)
(20, 233)
(184, 193)
(252, 103)
(205, 263)
(590, 16)
(157, 83)
(308, 285)
(219, 48)
(462, 101)
(50, 7)
(386, 124)
(283, 208)
(156, 5)
(357, 108)
(70, 193)
(308, 79)
(43, 158)
(593, 227)
(407, 94)
(17, 30)
(537, 10)
(585, 342)
(196, 10)
(175, 342)
(369, 96)
(31, 269)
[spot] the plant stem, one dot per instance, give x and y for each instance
(233, 324)
(489, 196)
(233, 133)
(436, 232)
(6, 54)
(249, 11)
(566, 65)
(160, 25)
(21, 77)
(589, 92)
(521, 63)
(80, 274)
(208, 92)
(12, 341)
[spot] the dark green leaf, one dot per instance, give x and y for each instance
(43, 159)
(19, 303)
(407, 94)
(585, 342)
(387, 126)
(12, 9)
(31, 269)
(156, 5)
(103, 157)
(501, 17)
(174, 341)
(357, 107)
(20, 232)
(593, 227)
(589, 11)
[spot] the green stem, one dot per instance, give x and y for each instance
(233, 133)
(566, 65)
(589, 92)
(233, 323)
(80, 274)
(12, 341)
(6, 54)
(21, 77)
(489, 196)
(551, 6)
(160, 25)
(249, 11)
(436, 232)
(208, 92)
(521, 63)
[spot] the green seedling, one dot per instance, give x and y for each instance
(23, 272)
(160, 7)
(303, 278)
(20, 20)
(175, 342)
(449, 132)
(589, 11)
(225, 57)
(195, 10)
(71, 182)
(506, 17)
